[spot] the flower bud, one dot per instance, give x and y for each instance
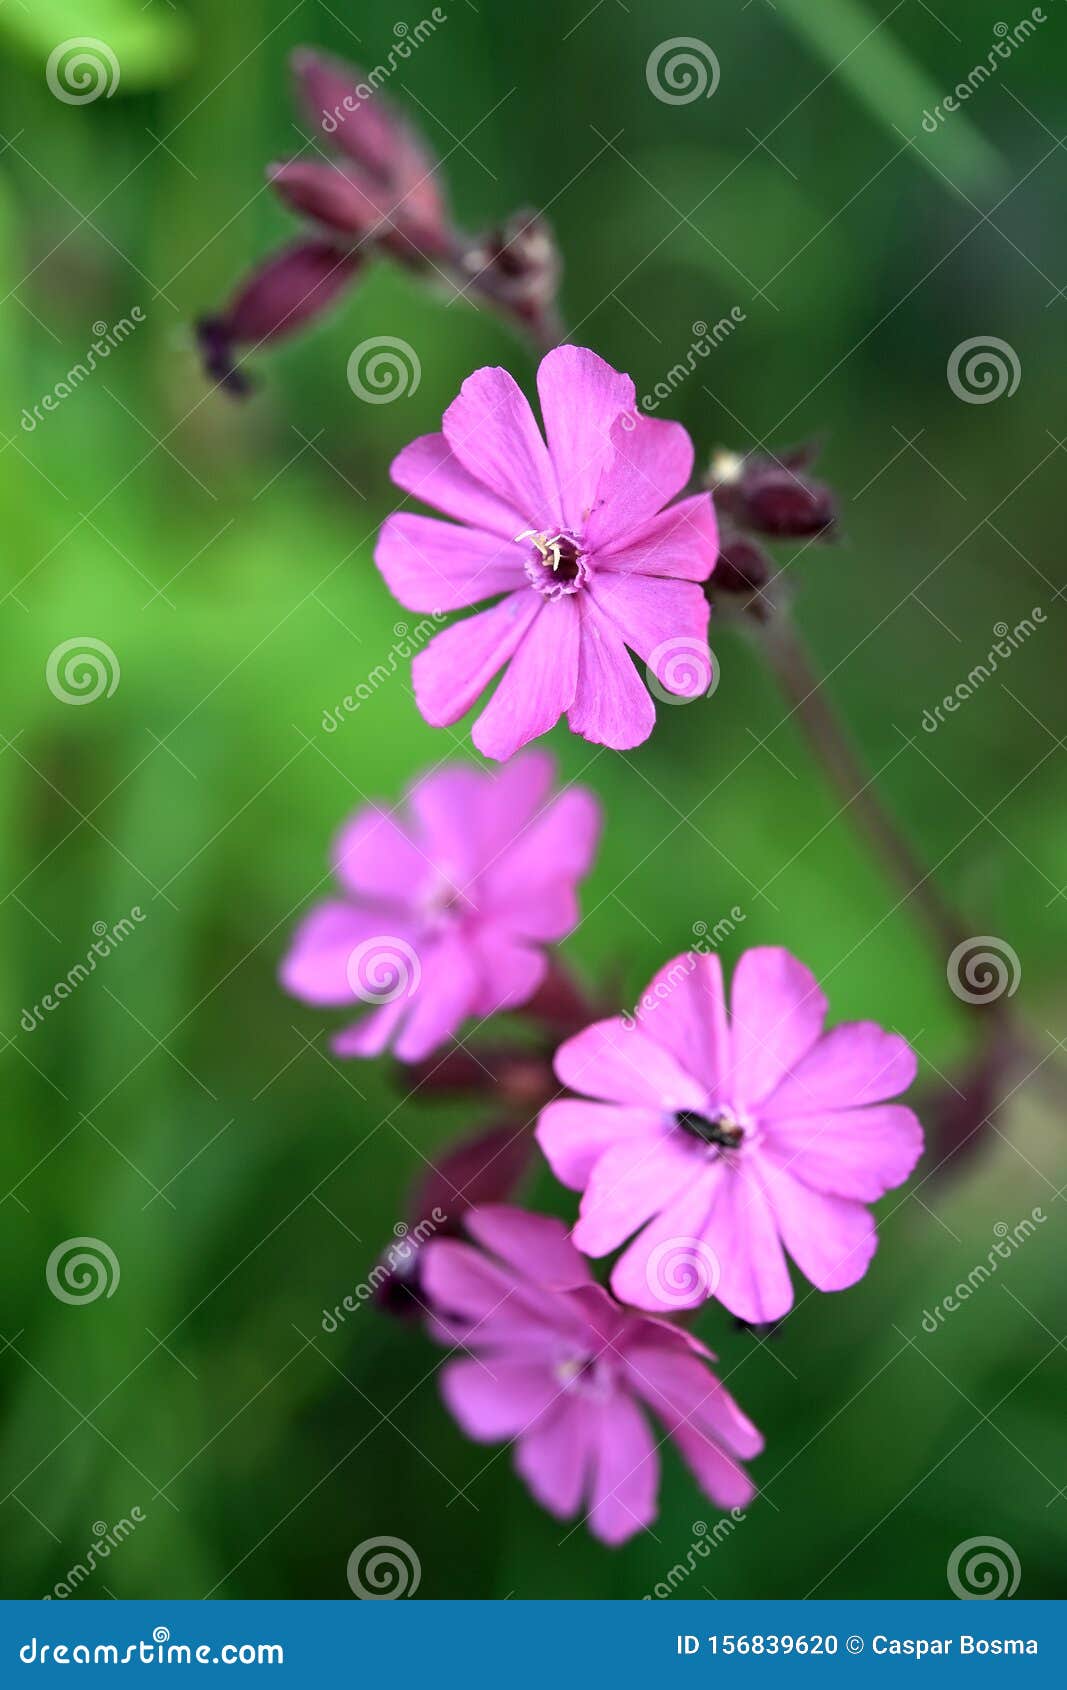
(283, 294)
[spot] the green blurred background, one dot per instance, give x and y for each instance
(178, 1106)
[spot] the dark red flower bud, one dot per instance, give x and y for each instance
(773, 496)
(517, 267)
(329, 194)
(486, 1168)
(518, 1075)
(283, 294)
(397, 171)
(742, 565)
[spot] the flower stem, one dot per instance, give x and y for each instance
(805, 687)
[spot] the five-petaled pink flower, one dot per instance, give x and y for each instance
(445, 911)
(724, 1140)
(555, 1364)
(575, 537)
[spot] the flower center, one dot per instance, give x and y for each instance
(589, 1376)
(556, 565)
(722, 1129)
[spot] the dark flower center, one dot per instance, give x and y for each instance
(721, 1130)
(556, 566)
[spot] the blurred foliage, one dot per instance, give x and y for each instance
(183, 1110)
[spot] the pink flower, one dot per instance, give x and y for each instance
(575, 543)
(725, 1140)
(555, 1364)
(445, 911)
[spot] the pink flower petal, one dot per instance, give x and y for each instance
(458, 664)
(374, 857)
(649, 461)
(857, 1153)
(776, 1014)
(536, 1246)
(681, 541)
(545, 857)
(684, 1010)
(442, 1000)
(621, 1064)
(498, 1398)
(574, 1133)
(581, 396)
(719, 1477)
(509, 971)
(742, 1231)
(831, 1239)
(679, 1388)
(429, 470)
(611, 705)
(669, 1266)
(492, 432)
(555, 1456)
(464, 1282)
(371, 1036)
(630, 1183)
(538, 685)
(665, 622)
(316, 966)
(851, 1065)
(433, 566)
(625, 1482)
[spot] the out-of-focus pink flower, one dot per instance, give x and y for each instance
(578, 536)
(281, 295)
(446, 909)
(552, 1362)
(725, 1142)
